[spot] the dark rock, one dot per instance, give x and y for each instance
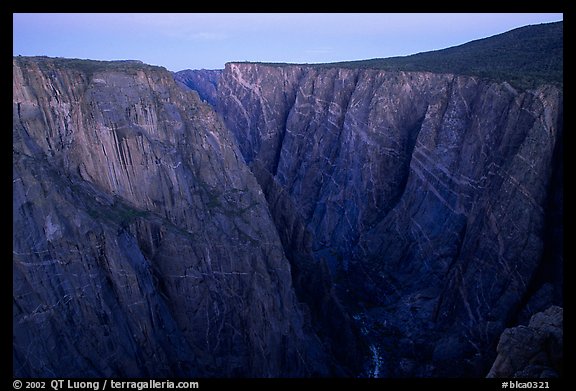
(532, 351)
(426, 195)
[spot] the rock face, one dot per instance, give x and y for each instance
(143, 245)
(427, 199)
(532, 351)
(336, 221)
(203, 81)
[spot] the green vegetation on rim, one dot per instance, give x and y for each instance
(525, 57)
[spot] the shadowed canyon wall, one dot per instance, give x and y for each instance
(434, 201)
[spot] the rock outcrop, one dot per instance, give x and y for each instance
(425, 197)
(143, 245)
(533, 351)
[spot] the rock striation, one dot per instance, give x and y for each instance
(143, 245)
(429, 201)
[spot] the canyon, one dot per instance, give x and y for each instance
(283, 220)
(424, 195)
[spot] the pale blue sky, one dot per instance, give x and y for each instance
(194, 41)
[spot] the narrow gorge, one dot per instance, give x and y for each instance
(425, 196)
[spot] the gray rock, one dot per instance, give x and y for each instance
(533, 351)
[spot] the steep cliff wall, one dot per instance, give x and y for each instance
(428, 196)
(143, 245)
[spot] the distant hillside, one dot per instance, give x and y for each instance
(525, 57)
